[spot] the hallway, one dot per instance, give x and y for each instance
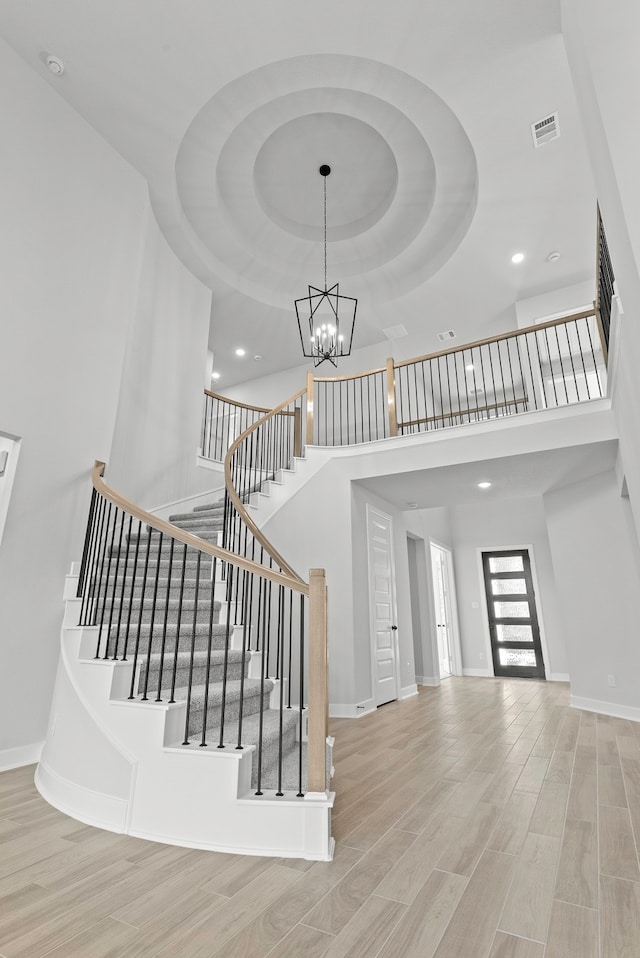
(484, 818)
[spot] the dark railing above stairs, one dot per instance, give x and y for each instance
(234, 639)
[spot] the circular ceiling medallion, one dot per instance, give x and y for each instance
(364, 176)
(401, 196)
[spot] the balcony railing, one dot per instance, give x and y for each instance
(551, 364)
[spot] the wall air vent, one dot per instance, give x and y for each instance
(545, 130)
(395, 332)
(447, 334)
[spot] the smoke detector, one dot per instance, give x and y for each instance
(56, 65)
(545, 130)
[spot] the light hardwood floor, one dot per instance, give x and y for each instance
(484, 819)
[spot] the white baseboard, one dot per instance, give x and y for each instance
(408, 691)
(481, 673)
(630, 712)
(431, 680)
(22, 755)
(84, 804)
(336, 710)
(559, 677)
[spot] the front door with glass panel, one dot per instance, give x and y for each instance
(513, 621)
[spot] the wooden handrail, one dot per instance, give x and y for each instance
(496, 339)
(235, 498)
(160, 525)
(464, 412)
(337, 379)
(234, 402)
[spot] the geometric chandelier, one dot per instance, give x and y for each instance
(325, 318)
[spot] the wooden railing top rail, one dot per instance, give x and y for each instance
(237, 501)
(291, 581)
(234, 402)
(496, 339)
(337, 379)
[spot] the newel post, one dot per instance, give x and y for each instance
(318, 682)
(391, 398)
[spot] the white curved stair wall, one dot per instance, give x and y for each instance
(117, 764)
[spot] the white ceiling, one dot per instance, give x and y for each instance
(511, 477)
(423, 110)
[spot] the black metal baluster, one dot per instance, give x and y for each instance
(163, 643)
(524, 395)
(114, 589)
(280, 670)
(290, 647)
(192, 654)
(573, 368)
(89, 584)
(513, 386)
(533, 382)
(245, 644)
(459, 398)
(446, 362)
(593, 357)
(140, 610)
(564, 378)
(87, 539)
(581, 351)
(102, 582)
(544, 390)
(225, 667)
(301, 696)
(152, 622)
(176, 650)
(553, 378)
(261, 724)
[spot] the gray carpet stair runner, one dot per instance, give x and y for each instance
(162, 648)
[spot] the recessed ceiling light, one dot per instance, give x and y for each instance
(553, 256)
(517, 257)
(469, 367)
(484, 485)
(240, 352)
(258, 358)
(412, 505)
(215, 375)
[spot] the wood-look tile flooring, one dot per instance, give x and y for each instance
(484, 819)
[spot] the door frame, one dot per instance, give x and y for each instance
(395, 648)
(456, 650)
(485, 610)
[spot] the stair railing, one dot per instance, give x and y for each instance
(161, 598)
(223, 421)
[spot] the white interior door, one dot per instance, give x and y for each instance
(382, 600)
(442, 606)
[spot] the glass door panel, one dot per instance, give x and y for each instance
(513, 620)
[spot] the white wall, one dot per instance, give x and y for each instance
(427, 524)
(70, 248)
(595, 564)
(602, 50)
(157, 430)
(503, 524)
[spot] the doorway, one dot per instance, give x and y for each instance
(382, 604)
(513, 619)
(443, 604)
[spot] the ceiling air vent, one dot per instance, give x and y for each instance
(448, 334)
(545, 130)
(395, 332)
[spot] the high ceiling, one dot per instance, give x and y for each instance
(423, 110)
